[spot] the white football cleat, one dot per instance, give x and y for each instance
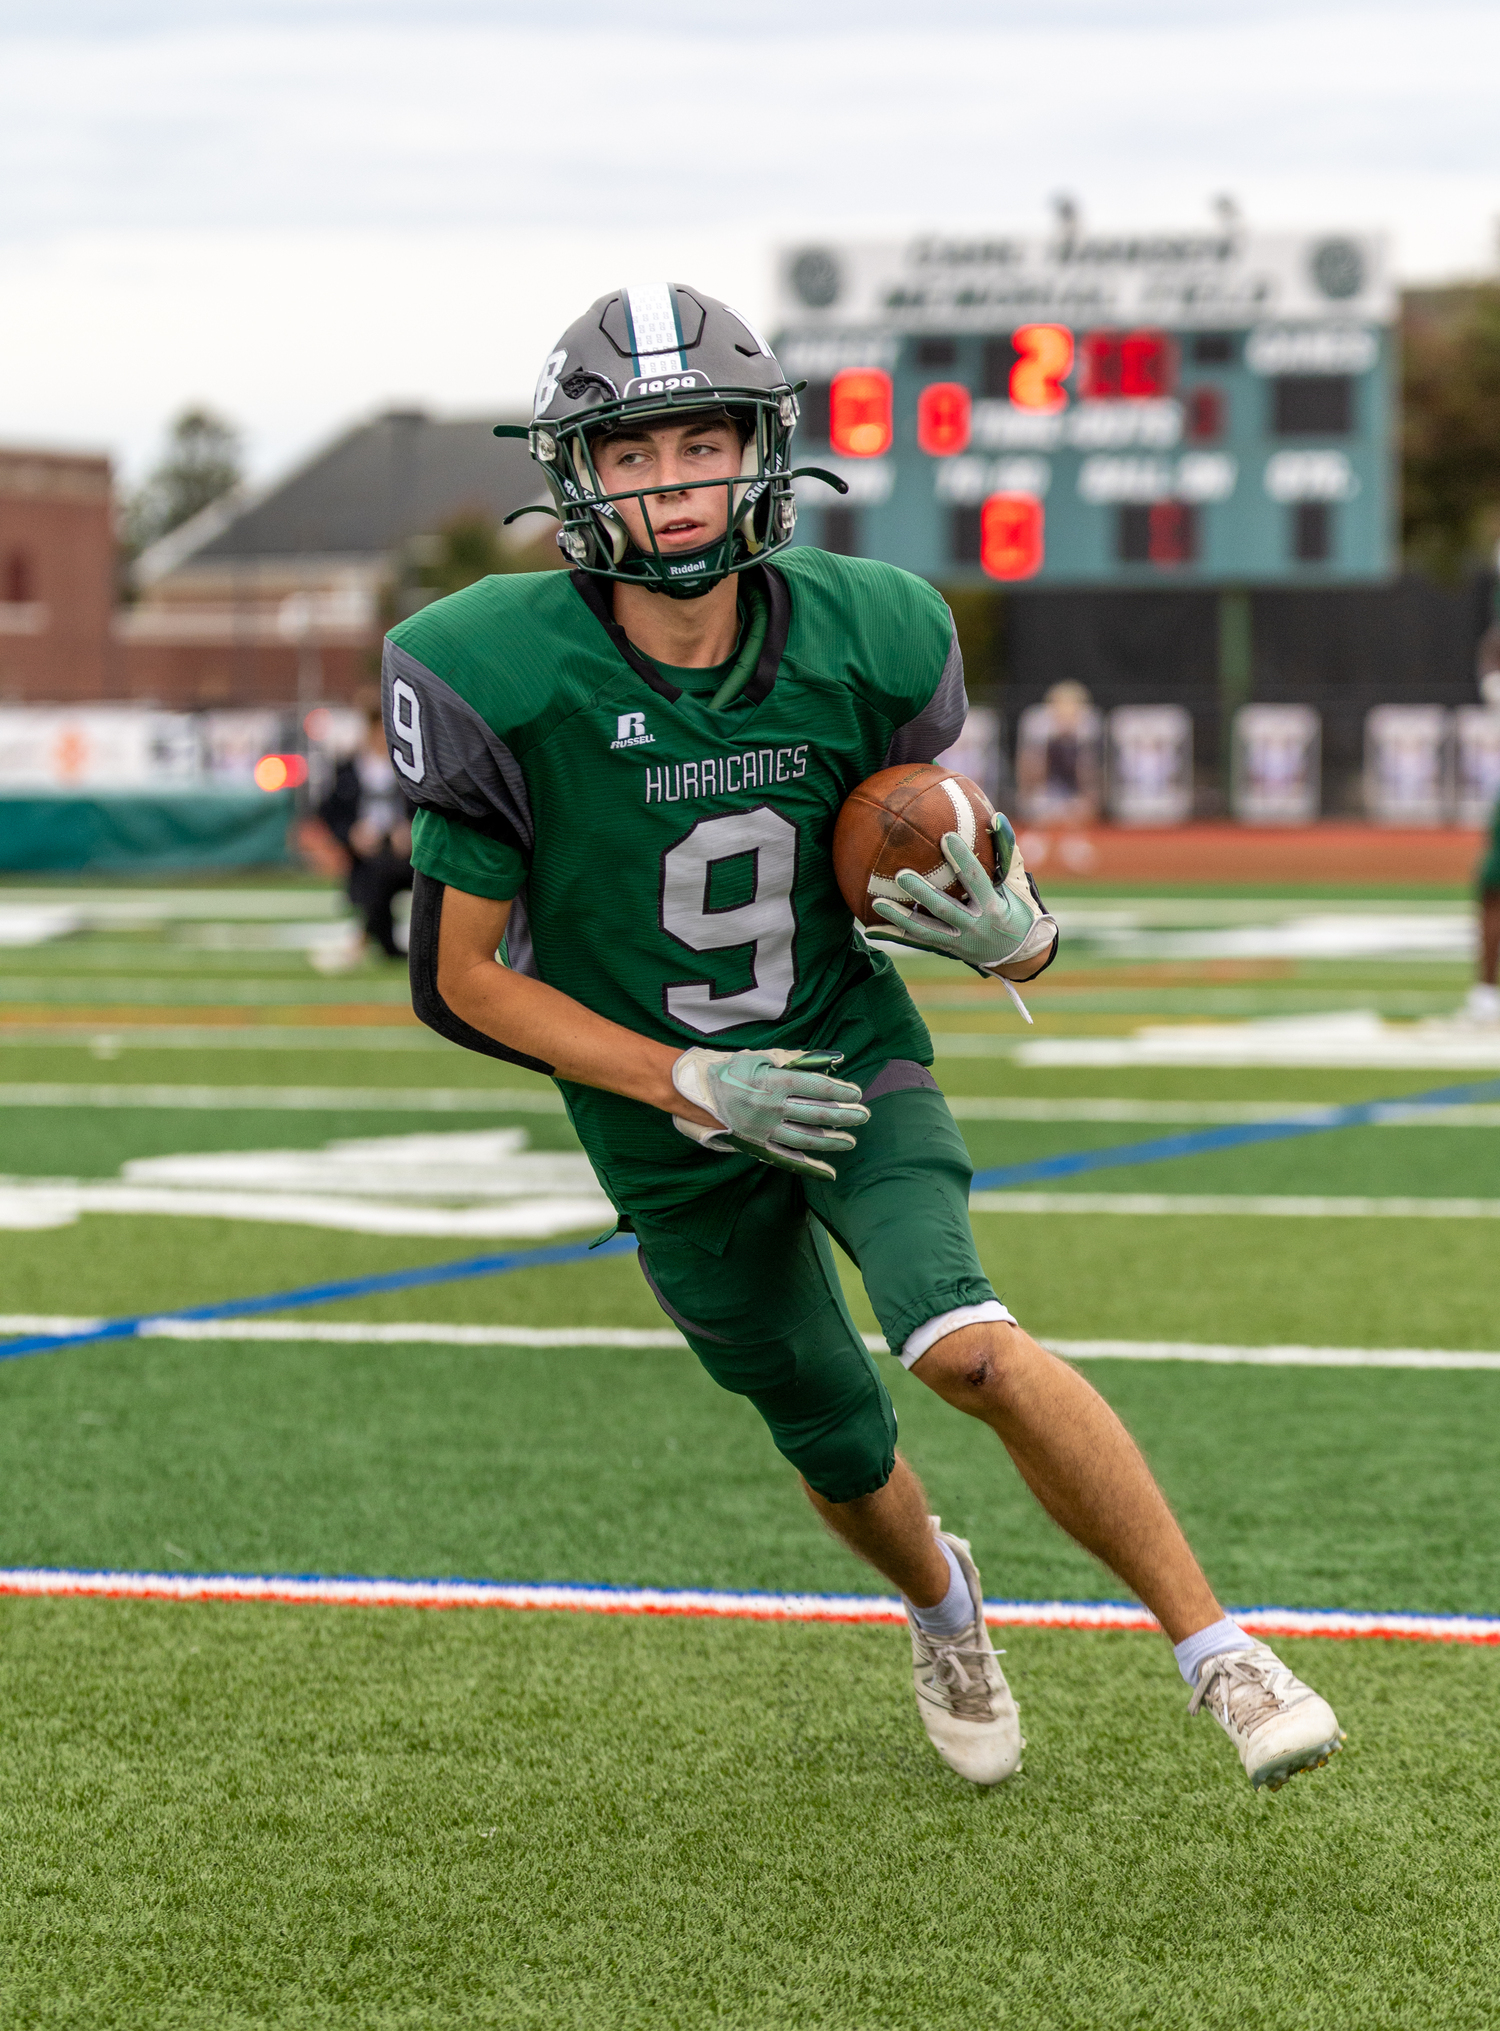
(965, 1704)
(1482, 1008)
(1278, 1724)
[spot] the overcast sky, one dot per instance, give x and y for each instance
(302, 210)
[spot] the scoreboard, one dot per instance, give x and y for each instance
(1177, 409)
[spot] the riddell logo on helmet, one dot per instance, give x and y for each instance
(630, 731)
(687, 570)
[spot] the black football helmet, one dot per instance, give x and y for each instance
(662, 351)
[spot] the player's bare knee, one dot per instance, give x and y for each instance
(975, 1367)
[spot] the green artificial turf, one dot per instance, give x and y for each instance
(1438, 1162)
(227, 1816)
(1427, 1163)
(1377, 1283)
(1358, 1489)
(220, 1817)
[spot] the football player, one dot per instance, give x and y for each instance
(627, 778)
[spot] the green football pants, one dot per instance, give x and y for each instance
(767, 1317)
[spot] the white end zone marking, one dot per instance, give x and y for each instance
(54, 1583)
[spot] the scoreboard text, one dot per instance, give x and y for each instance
(1239, 431)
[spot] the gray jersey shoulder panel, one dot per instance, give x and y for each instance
(941, 720)
(459, 766)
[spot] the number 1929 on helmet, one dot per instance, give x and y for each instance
(644, 357)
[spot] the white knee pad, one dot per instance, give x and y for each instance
(937, 1329)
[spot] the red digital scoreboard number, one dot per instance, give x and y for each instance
(1128, 366)
(859, 412)
(944, 415)
(1011, 533)
(1044, 359)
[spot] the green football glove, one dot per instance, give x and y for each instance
(774, 1105)
(1005, 930)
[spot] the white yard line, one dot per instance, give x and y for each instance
(1243, 1205)
(767, 1607)
(420, 1333)
(547, 1100)
(346, 1333)
(1347, 1038)
(139, 909)
(108, 1040)
(1270, 1357)
(1393, 1114)
(296, 1099)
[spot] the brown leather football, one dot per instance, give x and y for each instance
(896, 820)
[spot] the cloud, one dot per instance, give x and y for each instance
(300, 208)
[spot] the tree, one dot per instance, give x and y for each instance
(1450, 432)
(470, 547)
(201, 463)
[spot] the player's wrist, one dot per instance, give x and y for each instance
(687, 1095)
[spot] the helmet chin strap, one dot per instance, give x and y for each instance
(695, 588)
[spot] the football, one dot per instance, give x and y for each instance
(895, 821)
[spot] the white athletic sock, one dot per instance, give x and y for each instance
(953, 1614)
(1210, 1642)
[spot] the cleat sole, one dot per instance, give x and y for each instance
(1276, 1775)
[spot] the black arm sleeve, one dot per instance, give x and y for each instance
(426, 923)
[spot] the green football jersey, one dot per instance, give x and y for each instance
(668, 860)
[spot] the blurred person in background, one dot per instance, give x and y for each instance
(1057, 757)
(365, 816)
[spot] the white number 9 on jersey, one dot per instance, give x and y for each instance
(406, 730)
(767, 921)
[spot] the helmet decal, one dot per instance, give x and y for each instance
(546, 381)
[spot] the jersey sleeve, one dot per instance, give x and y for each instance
(450, 761)
(455, 854)
(941, 719)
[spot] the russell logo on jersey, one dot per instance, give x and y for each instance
(630, 731)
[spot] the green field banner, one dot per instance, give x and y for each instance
(143, 831)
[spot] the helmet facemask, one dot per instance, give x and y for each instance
(760, 505)
(642, 358)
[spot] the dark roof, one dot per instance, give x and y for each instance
(404, 474)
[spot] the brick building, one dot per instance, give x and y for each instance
(269, 597)
(282, 596)
(57, 576)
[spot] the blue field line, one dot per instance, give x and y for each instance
(1162, 1148)
(330, 1293)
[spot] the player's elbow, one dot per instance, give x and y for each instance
(447, 986)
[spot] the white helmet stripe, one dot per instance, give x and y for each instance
(655, 336)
